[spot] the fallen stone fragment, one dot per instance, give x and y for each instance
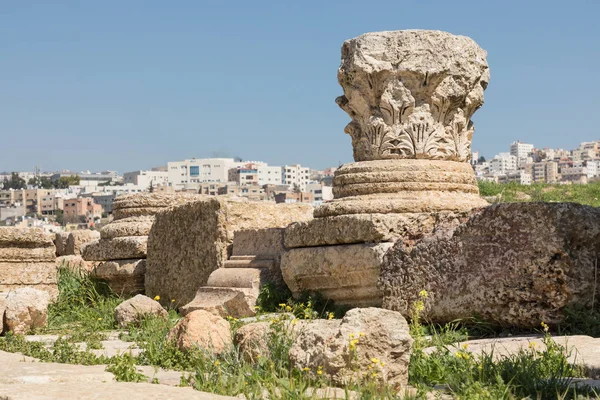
(137, 307)
(26, 309)
(201, 329)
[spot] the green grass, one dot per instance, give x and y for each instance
(84, 312)
(588, 194)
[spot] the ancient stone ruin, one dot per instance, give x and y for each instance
(120, 253)
(216, 252)
(27, 259)
(411, 96)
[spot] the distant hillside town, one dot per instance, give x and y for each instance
(74, 199)
(527, 165)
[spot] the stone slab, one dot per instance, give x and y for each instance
(365, 228)
(79, 238)
(25, 254)
(346, 274)
(134, 226)
(121, 248)
(223, 302)
(124, 277)
(24, 237)
(263, 243)
(27, 273)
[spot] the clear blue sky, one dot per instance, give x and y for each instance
(132, 84)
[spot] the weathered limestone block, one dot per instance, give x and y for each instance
(224, 302)
(78, 239)
(133, 226)
(368, 228)
(60, 241)
(27, 254)
(202, 329)
(516, 264)
(365, 341)
(263, 243)
(24, 237)
(120, 248)
(75, 262)
(27, 273)
(136, 308)
(346, 274)
(147, 204)
(187, 243)
(26, 308)
(124, 277)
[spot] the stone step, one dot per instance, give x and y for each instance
(249, 262)
(249, 278)
(234, 302)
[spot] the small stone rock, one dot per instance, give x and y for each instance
(135, 308)
(202, 329)
(26, 309)
(253, 340)
(367, 341)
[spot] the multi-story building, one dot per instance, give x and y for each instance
(38, 201)
(296, 176)
(543, 172)
(294, 197)
(574, 175)
(190, 173)
(255, 173)
(520, 177)
(522, 152)
(145, 178)
(503, 163)
(320, 192)
(82, 208)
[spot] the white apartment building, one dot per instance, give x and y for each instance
(296, 175)
(503, 163)
(256, 173)
(522, 152)
(190, 173)
(147, 178)
(520, 177)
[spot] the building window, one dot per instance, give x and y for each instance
(194, 170)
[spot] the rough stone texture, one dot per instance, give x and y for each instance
(79, 238)
(60, 242)
(137, 307)
(120, 248)
(224, 302)
(263, 243)
(516, 264)
(27, 254)
(346, 274)
(76, 262)
(24, 237)
(411, 94)
(124, 277)
(187, 243)
(252, 340)
(2, 310)
(159, 200)
(367, 228)
(25, 378)
(134, 226)
(380, 334)
(27, 273)
(26, 308)
(202, 329)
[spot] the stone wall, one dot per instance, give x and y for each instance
(188, 242)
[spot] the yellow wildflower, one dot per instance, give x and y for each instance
(217, 363)
(351, 336)
(294, 321)
(545, 326)
(282, 305)
(330, 315)
(288, 308)
(532, 345)
(157, 297)
(100, 319)
(465, 345)
(374, 375)
(172, 300)
(382, 364)
(375, 360)
(306, 369)
(320, 370)
(361, 334)
(423, 294)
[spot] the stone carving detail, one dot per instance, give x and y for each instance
(411, 94)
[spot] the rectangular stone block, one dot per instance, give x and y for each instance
(27, 273)
(26, 254)
(366, 228)
(24, 237)
(346, 274)
(121, 248)
(190, 241)
(263, 243)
